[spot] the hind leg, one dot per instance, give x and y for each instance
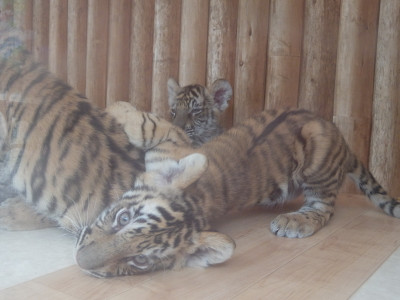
(312, 216)
(321, 157)
(16, 214)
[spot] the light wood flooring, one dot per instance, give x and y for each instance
(332, 264)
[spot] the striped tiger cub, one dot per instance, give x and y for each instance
(61, 158)
(163, 222)
(197, 109)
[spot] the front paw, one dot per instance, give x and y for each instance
(131, 120)
(295, 225)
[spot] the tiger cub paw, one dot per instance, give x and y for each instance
(15, 214)
(125, 113)
(294, 225)
(131, 120)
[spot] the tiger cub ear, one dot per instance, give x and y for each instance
(173, 90)
(210, 248)
(180, 174)
(221, 91)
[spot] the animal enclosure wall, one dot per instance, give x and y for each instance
(340, 59)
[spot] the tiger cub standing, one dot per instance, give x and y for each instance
(164, 220)
(197, 109)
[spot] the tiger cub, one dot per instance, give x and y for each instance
(61, 158)
(164, 220)
(197, 109)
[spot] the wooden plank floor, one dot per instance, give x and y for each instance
(332, 264)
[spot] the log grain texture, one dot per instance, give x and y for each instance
(338, 58)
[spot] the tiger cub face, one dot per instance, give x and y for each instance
(197, 109)
(153, 227)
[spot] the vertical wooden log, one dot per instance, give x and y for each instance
(355, 75)
(251, 58)
(193, 53)
(166, 52)
(77, 40)
(96, 64)
(23, 19)
(141, 57)
(58, 38)
(6, 12)
(118, 51)
(40, 43)
(318, 67)
(385, 140)
(222, 47)
(284, 52)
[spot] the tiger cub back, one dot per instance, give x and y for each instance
(197, 109)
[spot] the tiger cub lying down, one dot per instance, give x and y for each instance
(61, 158)
(64, 160)
(164, 220)
(197, 109)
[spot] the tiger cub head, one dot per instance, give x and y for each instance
(197, 109)
(153, 227)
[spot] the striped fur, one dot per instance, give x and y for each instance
(59, 154)
(164, 221)
(197, 109)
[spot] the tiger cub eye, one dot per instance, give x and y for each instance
(124, 218)
(140, 261)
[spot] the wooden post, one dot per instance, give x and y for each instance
(318, 66)
(7, 11)
(284, 52)
(193, 51)
(96, 64)
(58, 38)
(141, 57)
(355, 75)
(77, 44)
(251, 58)
(166, 52)
(23, 19)
(40, 43)
(119, 51)
(385, 140)
(222, 48)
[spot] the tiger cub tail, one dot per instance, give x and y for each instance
(370, 187)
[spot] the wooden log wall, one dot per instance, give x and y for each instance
(339, 58)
